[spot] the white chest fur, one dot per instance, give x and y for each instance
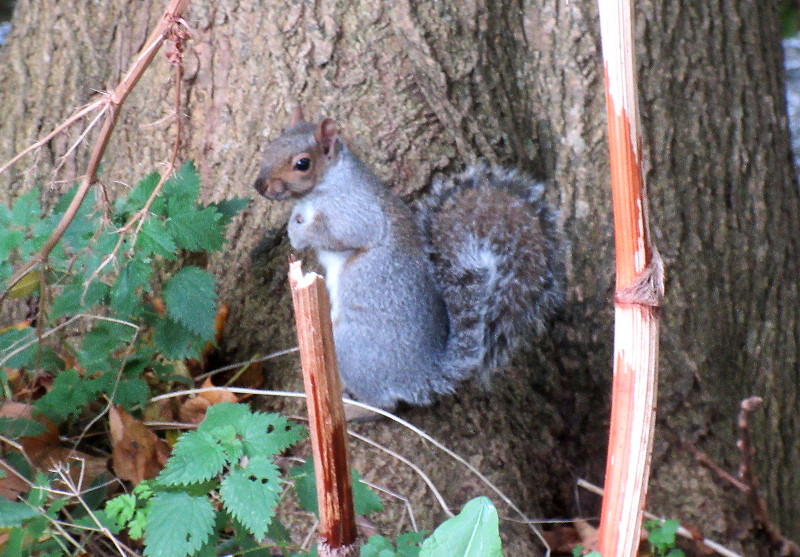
(334, 262)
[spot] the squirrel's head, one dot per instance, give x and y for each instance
(296, 161)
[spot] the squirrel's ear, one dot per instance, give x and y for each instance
(326, 136)
(297, 116)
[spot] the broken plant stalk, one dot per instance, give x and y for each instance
(639, 291)
(327, 425)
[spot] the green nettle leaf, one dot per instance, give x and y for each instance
(184, 185)
(139, 196)
(124, 298)
(70, 393)
(474, 532)
(178, 524)
(364, 499)
(14, 513)
(16, 428)
(251, 494)
(408, 544)
(75, 298)
(376, 546)
(176, 342)
(195, 229)
(121, 509)
(131, 393)
(198, 456)
(26, 211)
(191, 301)
(269, 433)
(224, 414)
(305, 486)
(154, 238)
(99, 344)
(230, 207)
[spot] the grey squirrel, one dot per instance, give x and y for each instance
(420, 300)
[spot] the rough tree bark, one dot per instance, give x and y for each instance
(424, 87)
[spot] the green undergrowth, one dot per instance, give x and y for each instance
(112, 316)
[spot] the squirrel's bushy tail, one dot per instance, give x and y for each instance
(498, 258)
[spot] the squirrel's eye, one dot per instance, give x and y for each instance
(302, 164)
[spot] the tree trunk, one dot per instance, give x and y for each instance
(422, 88)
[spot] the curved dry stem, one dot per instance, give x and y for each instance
(112, 104)
(57, 130)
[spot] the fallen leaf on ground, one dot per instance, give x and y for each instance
(193, 410)
(137, 453)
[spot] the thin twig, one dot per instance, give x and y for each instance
(758, 505)
(61, 127)
(24, 346)
(436, 494)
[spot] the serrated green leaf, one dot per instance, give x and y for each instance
(364, 499)
(178, 524)
(124, 298)
(269, 434)
(375, 547)
(228, 208)
(16, 428)
(474, 532)
(175, 341)
(121, 509)
(198, 456)
(408, 544)
(195, 229)
(99, 344)
(278, 533)
(191, 300)
(305, 486)
(81, 229)
(251, 494)
(224, 414)
(139, 196)
(154, 238)
(26, 210)
(75, 299)
(184, 186)
(69, 394)
(14, 513)
(131, 393)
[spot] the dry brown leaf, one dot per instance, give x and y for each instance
(562, 539)
(137, 453)
(193, 410)
(45, 452)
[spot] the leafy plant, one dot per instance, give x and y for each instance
(110, 279)
(662, 538)
(229, 458)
